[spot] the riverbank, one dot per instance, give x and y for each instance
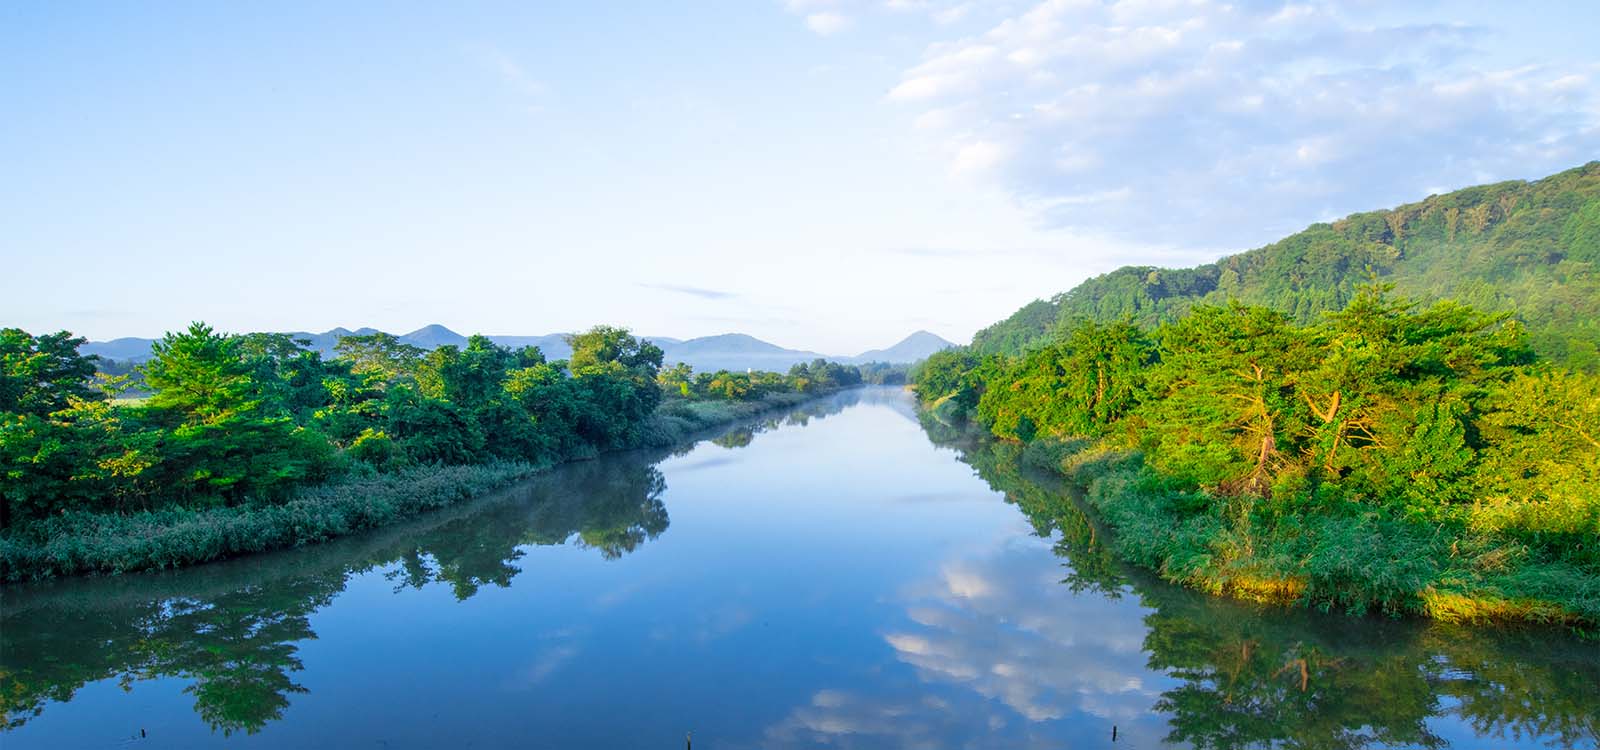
(1357, 560)
(81, 543)
(1355, 563)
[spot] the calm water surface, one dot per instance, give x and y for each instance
(832, 577)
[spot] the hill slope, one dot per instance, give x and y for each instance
(1530, 248)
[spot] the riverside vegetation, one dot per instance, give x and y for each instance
(258, 645)
(252, 442)
(1278, 432)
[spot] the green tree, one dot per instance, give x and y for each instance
(381, 355)
(201, 377)
(1222, 399)
(604, 344)
(229, 438)
(42, 374)
(947, 373)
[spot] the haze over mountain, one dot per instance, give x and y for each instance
(728, 351)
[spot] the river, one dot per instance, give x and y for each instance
(836, 576)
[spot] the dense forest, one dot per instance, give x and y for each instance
(1358, 449)
(1527, 248)
(255, 441)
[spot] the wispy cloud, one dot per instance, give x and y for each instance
(511, 72)
(692, 291)
(937, 252)
(822, 17)
(968, 253)
(827, 23)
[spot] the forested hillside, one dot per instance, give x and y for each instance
(1527, 248)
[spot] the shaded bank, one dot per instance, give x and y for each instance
(84, 542)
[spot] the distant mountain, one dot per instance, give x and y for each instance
(325, 341)
(1531, 249)
(433, 337)
(728, 343)
(728, 351)
(138, 349)
(732, 351)
(912, 348)
(130, 349)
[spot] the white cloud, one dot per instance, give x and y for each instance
(952, 14)
(1233, 123)
(1025, 619)
(1002, 654)
(979, 156)
(832, 16)
(827, 23)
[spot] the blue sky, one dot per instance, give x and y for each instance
(824, 174)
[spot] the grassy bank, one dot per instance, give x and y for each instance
(77, 543)
(676, 420)
(1355, 562)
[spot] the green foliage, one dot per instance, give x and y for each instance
(43, 374)
(1075, 387)
(604, 345)
(1223, 397)
(380, 355)
(947, 374)
(202, 377)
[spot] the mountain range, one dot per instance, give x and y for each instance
(728, 351)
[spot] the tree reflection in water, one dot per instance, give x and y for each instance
(232, 628)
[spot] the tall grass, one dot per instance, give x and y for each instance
(677, 420)
(77, 543)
